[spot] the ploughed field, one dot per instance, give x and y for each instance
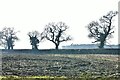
(68, 65)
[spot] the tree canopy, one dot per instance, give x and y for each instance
(8, 38)
(34, 39)
(55, 32)
(102, 30)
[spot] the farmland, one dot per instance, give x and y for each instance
(60, 65)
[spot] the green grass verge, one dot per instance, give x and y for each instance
(55, 78)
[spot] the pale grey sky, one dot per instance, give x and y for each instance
(29, 15)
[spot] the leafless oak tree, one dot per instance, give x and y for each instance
(55, 32)
(34, 39)
(8, 37)
(102, 30)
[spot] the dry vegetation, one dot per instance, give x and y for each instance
(67, 65)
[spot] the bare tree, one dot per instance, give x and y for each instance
(102, 31)
(34, 39)
(8, 37)
(55, 32)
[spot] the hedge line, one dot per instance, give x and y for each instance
(64, 51)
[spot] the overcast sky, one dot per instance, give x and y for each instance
(29, 15)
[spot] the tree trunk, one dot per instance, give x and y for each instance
(56, 46)
(12, 47)
(101, 44)
(8, 45)
(34, 47)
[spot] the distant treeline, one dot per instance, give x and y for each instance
(63, 51)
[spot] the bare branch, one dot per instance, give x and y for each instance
(8, 37)
(102, 29)
(34, 39)
(55, 33)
